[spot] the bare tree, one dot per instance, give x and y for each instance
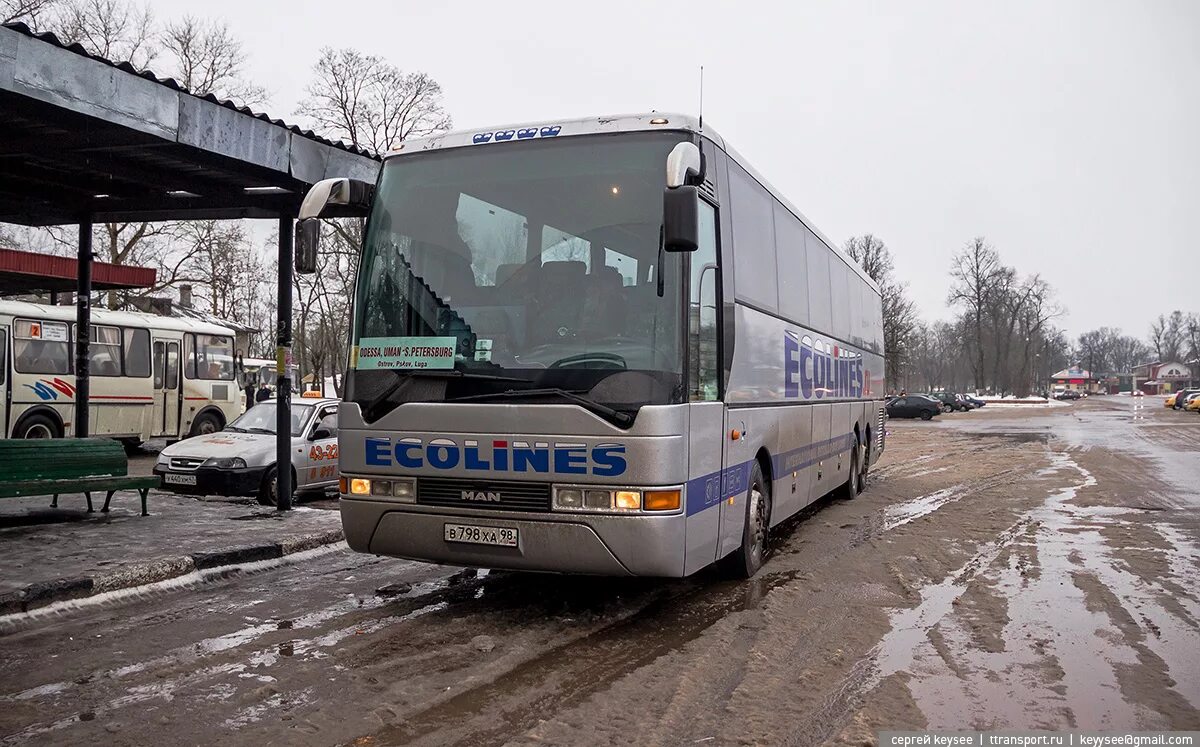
(974, 273)
(209, 59)
(112, 29)
(1167, 336)
(27, 11)
(371, 103)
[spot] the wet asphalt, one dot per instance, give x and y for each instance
(1005, 568)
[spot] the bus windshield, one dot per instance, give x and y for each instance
(536, 262)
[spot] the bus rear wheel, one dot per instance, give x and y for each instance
(748, 558)
(37, 426)
(205, 424)
(852, 485)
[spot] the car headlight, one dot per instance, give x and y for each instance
(225, 462)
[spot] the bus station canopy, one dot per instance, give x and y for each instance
(28, 272)
(84, 138)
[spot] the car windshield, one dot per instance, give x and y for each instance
(536, 262)
(261, 418)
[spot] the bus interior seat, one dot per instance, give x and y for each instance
(604, 303)
(558, 304)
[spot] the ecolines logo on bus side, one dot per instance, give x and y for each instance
(812, 371)
(602, 460)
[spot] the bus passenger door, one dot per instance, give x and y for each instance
(5, 387)
(706, 411)
(166, 388)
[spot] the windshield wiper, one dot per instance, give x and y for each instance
(260, 430)
(434, 374)
(235, 429)
(575, 396)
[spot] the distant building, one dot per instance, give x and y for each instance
(1075, 378)
(1162, 378)
(184, 309)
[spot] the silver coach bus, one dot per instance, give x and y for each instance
(600, 346)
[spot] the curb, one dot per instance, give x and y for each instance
(45, 593)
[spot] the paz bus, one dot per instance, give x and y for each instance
(151, 376)
(601, 346)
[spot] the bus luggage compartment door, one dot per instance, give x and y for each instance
(702, 502)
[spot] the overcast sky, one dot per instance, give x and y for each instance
(1067, 133)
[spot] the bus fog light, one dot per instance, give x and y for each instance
(405, 490)
(381, 487)
(601, 499)
(628, 499)
(662, 500)
(359, 486)
(568, 498)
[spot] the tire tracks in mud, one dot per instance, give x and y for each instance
(516, 702)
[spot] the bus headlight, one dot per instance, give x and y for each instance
(399, 489)
(589, 498)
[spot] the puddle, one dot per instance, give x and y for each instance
(899, 514)
(1061, 604)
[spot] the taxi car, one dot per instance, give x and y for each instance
(1193, 403)
(240, 459)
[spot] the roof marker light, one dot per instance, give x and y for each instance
(658, 120)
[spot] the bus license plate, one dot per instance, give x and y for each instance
(179, 479)
(479, 535)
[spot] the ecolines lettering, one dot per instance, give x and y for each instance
(602, 460)
(811, 372)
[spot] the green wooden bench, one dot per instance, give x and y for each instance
(68, 465)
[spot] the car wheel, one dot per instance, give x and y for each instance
(268, 492)
(205, 425)
(926, 414)
(748, 558)
(37, 426)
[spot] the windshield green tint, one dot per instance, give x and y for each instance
(540, 259)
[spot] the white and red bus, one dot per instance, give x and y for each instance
(151, 376)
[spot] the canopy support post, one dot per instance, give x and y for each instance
(283, 384)
(83, 328)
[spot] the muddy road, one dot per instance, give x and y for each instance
(1004, 569)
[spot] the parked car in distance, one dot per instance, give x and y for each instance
(1177, 400)
(914, 406)
(949, 400)
(1069, 394)
(1193, 402)
(975, 401)
(240, 459)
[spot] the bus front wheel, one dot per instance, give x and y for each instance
(748, 558)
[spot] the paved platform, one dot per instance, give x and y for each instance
(52, 555)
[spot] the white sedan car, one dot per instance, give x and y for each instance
(240, 460)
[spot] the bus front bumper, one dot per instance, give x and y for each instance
(598, 544)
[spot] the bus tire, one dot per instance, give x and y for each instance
(38, 425)
(748, 558)
(853, 485)
(204, 424)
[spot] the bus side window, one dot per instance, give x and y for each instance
(704, 365)
(137, 352)
(172, 365)
(160, 351)
(189, 355)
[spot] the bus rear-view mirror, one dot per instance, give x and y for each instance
(308, 236)
(681, 219)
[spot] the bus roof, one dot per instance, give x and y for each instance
(105, 316)
(644, 122)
